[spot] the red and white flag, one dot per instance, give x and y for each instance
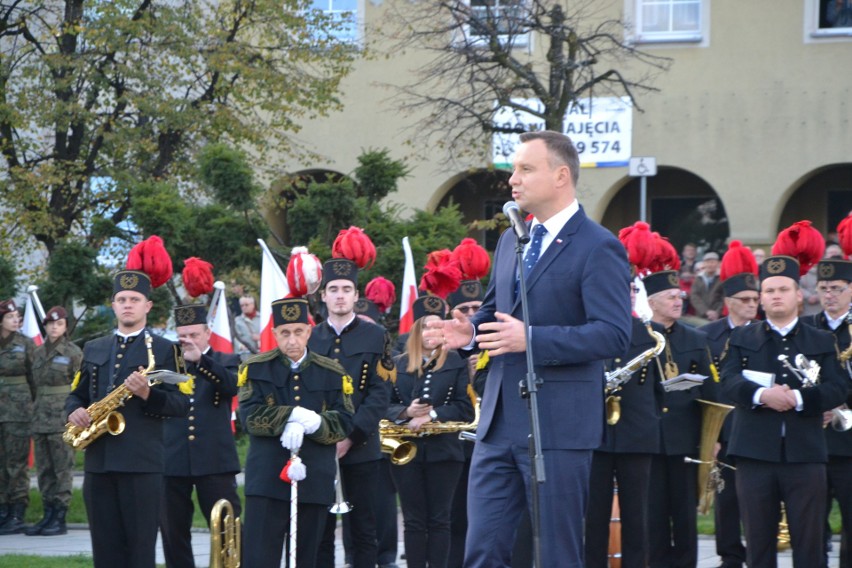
(409, 290)
(30, 327)
(220, 329)
(273, 286)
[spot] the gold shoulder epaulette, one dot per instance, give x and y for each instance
(242, 374)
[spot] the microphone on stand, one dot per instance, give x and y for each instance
(513, 213)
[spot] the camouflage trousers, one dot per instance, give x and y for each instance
(14, 452)
(54, 462)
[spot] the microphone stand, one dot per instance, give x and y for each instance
(529, 391)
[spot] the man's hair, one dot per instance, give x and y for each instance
(560, 150)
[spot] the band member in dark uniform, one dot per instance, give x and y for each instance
(363, 349)
(739, 283)
(673, 495)
(834, 276)
(626, 457)
(777, 434)
(124, 473)
(432, 386)
(292, 400)
(200, 449)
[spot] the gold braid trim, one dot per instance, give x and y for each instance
(76, 380)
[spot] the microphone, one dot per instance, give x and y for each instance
(513, 213)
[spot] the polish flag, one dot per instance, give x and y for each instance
(220, 336)
(273, 286)
(409, 290)
(30, 327)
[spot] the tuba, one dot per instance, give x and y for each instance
(615, 379)
(224, 536)
(709, 482)
(403, 451)
(104, 414)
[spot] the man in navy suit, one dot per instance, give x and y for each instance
(579, 309)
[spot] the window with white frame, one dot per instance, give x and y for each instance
(829, 18)
(669, 20)
(345, 15)
(508, 17)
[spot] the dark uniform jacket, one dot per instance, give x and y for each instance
(363, 350)
(203, 443)
(106, 364)
(680, 413)
(448, 389)
(757, 430)
(17, 389)
(718, 333)
(267, 398)
(839, 443)
(638, 429)
(54, 367)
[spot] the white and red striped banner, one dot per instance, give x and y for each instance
(30, 327)
(409, 290)
(273, 286)
(220, 328)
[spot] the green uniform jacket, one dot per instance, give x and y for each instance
(54, 367)
(17, 389)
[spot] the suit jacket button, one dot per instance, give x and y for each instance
(665, 409)
(191, 437)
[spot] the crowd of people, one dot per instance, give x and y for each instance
(625, 374)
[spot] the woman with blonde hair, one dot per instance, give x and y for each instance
(431, 386)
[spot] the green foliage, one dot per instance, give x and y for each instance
(8, 278)
(324, 209)
(226, 170)
(378, 174)
(73, 274)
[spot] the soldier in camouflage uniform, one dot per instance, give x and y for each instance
(302, 398)
(54, 365)
(16, 405)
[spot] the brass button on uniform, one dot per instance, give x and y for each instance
(191, 437)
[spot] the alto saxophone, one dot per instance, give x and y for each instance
(617, 378)
(103, 414)
(402, 451)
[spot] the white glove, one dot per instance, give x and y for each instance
(309, 419)
(292, 436)
(297, 470)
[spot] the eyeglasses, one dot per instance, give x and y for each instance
(833, 290)
(746, 299)
(468, 309)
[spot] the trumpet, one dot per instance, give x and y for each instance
(806, 370)
(341, 505)
(403, 451)
(841, 419)
(615, 379)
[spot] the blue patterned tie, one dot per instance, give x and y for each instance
(535, 250)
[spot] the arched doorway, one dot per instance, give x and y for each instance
(285, 190)
(480, 195)
(681, 206)
(823, 196)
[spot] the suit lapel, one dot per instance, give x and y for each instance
(557, 247)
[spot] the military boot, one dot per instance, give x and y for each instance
(49, 512)
(15, 521)
(56, 525)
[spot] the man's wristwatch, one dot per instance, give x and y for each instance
(433, 415)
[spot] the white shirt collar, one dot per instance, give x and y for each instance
(835, 323)
(554, 225)
(127, 335)
(294, 365)
(783, 330)
(339, 331)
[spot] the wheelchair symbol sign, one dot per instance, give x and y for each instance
(642, 167)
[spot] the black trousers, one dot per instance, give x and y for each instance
(839, 472)
(177, 510)
(761, 486)
(266, 529)
(672, 515)
(359, 485)
(426, 494)
(632, 473)
(729, 539)
(124, 512)
(458, 519)
(384, 502)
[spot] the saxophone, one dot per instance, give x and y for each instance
(104, 415)
(402, 451)
(617, 378)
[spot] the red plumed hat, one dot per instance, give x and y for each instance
(640, 244)
(844, 235)
(801, 241)
(381, 292)
(442, 276)
(472, 259)
(737, 260)
(665, 255)
(354, 244)
(150, 256)
(304, 272)
(197, 276)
